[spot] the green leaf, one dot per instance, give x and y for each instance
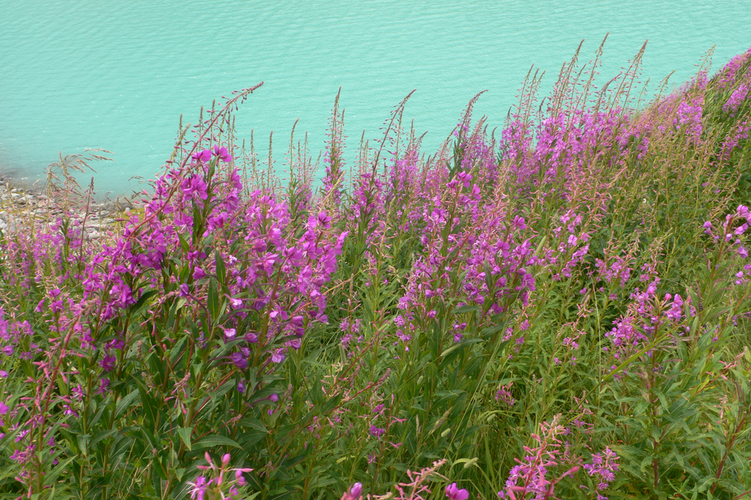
(83, 443)
(706, 483)
(50, 477)
(185, 433)
(150, 404)
(142, 301)
(490, 330)
(214, 440)
(663, 400)
(468, 462)
(678, 457)
(249, 439)
(465, 309)
(253, 423)
(183, 243)
(177, 350)
(161, 469)
(222, 389)
(213, 299)
(95, 419)
(458, 345)
(124, 403)
(221, 269)
(102, 435)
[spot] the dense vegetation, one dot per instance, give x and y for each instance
(561, 310)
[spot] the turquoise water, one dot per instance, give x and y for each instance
(118, 75)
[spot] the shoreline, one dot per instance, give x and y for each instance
(19, 203)
(13, 179)
(36, 182)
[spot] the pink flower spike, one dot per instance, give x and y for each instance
(225, 459)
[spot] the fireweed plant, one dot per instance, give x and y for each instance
(558, 310)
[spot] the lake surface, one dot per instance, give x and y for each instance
(82, 74)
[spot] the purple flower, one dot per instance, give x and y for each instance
(736, 98)
(194, 187)
(520, 224)
(274, 397)
(67, 410)
(115, 343)
(454, 493)
(204, 156)
(8, 350)
(122, 295)
(198, 489)
(324, 220)
(353, 493)
(3, 408)
(503, 394)
(21, 435)
(108, 363)
(674, 313)
(238, 360)
(239, 476)
(198, 273)
(604, 465)
(377, 431)
(103, 386)
(77, 391)
(277, 357)
(222, 154)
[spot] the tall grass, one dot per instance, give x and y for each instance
(560, 310)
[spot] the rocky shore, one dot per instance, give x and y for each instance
(17, 206)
